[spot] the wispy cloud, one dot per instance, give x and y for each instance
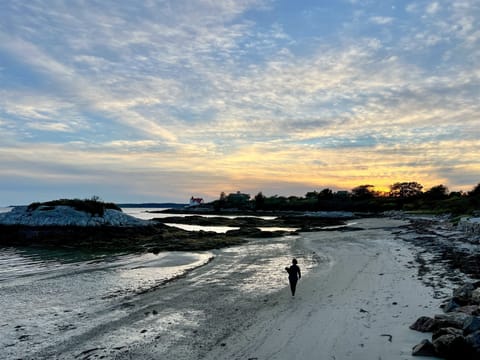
(381, 20)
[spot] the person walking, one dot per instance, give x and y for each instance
(294, 275)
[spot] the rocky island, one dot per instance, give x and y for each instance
(94, 225)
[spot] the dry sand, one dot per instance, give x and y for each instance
(356, 300)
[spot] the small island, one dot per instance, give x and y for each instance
(98, 226)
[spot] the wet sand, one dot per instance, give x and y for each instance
(357, 297)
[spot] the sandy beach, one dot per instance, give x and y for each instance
(359, 293)
(358, 305)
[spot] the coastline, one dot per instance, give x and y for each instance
(357, 297)
(361, 289)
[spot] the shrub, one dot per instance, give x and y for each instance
(91, 206)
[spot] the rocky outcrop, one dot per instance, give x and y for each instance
(455, 334)
(152, 238)
(66, 227)
(66, 216)
(54, 225)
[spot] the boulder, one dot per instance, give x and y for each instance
(463, 294)
(450, 305)
(446, 331)
(469, 309)
(473, 341)
(454, 319)
(471, 325)
(476, 296)
(423, 324)
(425, 348)
(451, 346)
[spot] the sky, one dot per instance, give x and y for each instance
(156, 101)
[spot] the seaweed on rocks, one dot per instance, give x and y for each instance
(152, 238)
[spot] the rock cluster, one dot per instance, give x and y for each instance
(456, 332)
(65, 226)
(66, 216)
(471, 226)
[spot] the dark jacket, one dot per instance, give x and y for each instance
(294, 272)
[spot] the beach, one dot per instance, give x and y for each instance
(358, 305)
(360, 291)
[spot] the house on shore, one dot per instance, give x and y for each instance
(195, 202)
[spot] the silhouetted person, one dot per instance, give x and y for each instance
(293, 275)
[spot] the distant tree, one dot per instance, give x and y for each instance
(474, 197)
(221, 202)
(311, 195)
(325, 194)
(259, 201)
(439, 192)
(92, 206)
(223, 196)
(475, 191)
(363, 192)
(405, 190)
(456, 194)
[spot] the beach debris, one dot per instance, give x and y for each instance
(89, 351)
(390, 337)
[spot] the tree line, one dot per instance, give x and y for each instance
(406, 196)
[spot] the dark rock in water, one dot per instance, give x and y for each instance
(425, 348)
(451, 346)
(244, 231)
(455, 320)
(446, 331)
(423, 324)
(253, 232)
(471, 325)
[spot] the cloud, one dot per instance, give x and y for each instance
(206, 88)
(381, 20)
(86, 95)
(433, 7)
